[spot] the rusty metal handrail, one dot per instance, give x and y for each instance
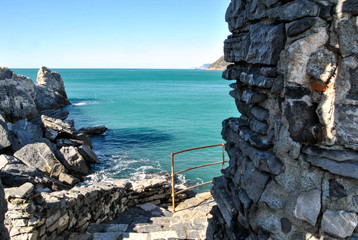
(205, 165)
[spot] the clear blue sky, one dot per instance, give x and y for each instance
(112, 33)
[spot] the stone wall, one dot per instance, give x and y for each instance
(55, 215)
(293, 170)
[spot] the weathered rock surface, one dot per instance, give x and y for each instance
(339, 223)
(40, 156)
(50, 90)
(293, 150)
(24, 132)
(73, 160)
(96, 130)
(4, 135)
(308, 206)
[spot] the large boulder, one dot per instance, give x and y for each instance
(55, 127)
(73, 160)
(50, 89)
(96, 130)
(15, 102)
(15, 173)
(24, 132)
(40, 156)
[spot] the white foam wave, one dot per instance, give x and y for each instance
(83, 103)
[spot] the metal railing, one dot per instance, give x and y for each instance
(205, 165)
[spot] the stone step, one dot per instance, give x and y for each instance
(100, 228)
(136, 236)
(107, 236)
(163, 235)
(147, 228)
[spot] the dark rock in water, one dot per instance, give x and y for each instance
(24, 132)
(73, 160)
(50, 89)
(40, 156)
(88, 154)
(86, 139)
(57, 114)
(97, 130)
(63, 142)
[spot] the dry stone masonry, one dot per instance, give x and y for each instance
(56, 215)
(293, 151)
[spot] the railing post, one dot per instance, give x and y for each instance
(223, 155)
(173, 188)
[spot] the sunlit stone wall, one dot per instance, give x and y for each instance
(293, 170)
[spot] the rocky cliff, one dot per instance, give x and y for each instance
(39, 148)
(294, 150)
(219, 64)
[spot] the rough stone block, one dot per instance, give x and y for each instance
(294, 10)
(308, 206)
(339, 223)
(20, 192)
(300, 26)
(266, 43)
(348, 36)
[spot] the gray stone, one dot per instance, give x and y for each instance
(24, 132)
(235, 15)
(274, 196)
(63, 142)
(16, 103)
(40, 156)
(348, 36)
(321, 65)
(53, 113)
(286, 225)
(88, 154)
(254, 139)
(68, 179)
(50, 89)
(302, 121)
(346, 81)
(294, 10)
(350, 6)
(4, 233)
(336, 154)
(252, 97)
(5, 73)
(83, 137)
(19, 192)
(308, 206)
(260, 113)
(336, 189)
(225, 204)
(73, 160)
(300, 26)
(295, 91)
(255, 80)
(14, 173)
(334, 167)
(346, 119)
(269, 3)
(236, 47)
(4, 135)
(339, 223)
(298, 54)
(266, 43)
(258, 127)
(251, 180)
(255, 10)
(57, 125)
(96, 130)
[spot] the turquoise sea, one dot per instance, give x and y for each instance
(149, 113)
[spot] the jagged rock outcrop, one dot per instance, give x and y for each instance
(50, 90)
(293, 164)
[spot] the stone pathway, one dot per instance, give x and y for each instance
(149, 222)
